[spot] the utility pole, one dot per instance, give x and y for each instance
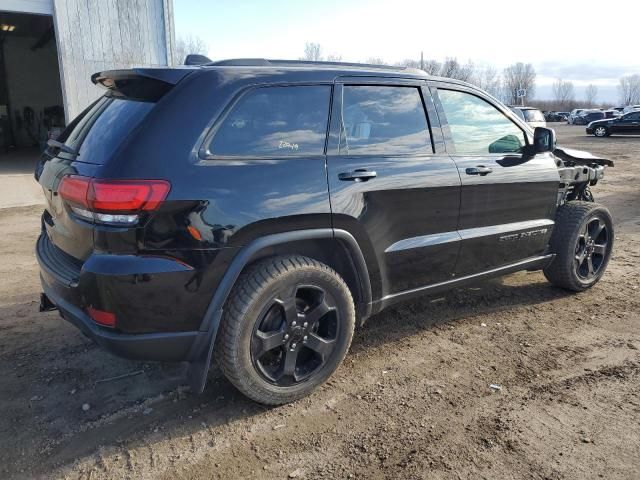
(421, 60)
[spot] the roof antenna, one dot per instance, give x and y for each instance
(196, 59)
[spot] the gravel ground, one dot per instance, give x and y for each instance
(412, 399)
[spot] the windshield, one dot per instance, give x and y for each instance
(518, 112)
(533, 115)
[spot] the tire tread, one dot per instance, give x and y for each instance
(569, 217)
(246, 290)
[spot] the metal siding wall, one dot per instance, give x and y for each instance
(110, 34)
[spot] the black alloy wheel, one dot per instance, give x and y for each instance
(296, 335)
(591, 249)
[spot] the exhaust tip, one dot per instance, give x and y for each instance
(46, 305)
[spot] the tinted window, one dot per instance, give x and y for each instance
(276, 121)
(383, 120)
(477, 127)
(82, 122)
(109, 126)
(632, 116)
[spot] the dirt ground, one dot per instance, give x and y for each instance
(412, 399)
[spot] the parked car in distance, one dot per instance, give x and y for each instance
(631, 108)
(556, 116)
(533, 116)
(627, 124)
(258, 210)
(612, 113)
(589, 116)
(574, 113)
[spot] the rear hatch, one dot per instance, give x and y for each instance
(80, 154)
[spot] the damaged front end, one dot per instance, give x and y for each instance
(578, 171)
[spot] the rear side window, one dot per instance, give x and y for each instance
(275, 121)
(477, 127)
(379, 120)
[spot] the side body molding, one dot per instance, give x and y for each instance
(200, 355)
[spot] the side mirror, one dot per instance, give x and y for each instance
(544, 140)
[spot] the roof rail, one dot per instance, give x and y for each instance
(263, 62)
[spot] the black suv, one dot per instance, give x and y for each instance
(258, 210)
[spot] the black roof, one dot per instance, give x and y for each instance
(329, 70)
(336, 67)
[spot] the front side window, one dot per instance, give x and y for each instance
(275, 121)
(633, 116)
(383, 120)
(477, 127)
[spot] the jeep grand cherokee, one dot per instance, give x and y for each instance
(258, 210)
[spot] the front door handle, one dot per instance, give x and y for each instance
(359, 175)
(479, 170)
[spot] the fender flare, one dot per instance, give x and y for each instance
(199, 357)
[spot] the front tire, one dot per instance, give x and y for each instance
(288, 325)
(582, 241)
(600, 131)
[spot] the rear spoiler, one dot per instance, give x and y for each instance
(145, 84)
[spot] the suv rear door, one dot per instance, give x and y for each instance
(391, 184)
(629, 123)
(508, 200)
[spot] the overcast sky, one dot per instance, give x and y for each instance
(585, 41)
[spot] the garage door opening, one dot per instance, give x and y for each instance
(31, 103)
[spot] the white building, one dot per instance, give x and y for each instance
(50, 48)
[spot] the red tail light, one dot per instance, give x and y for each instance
(127, 195)
(74, 190)
(112, 201)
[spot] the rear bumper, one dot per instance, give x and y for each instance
(165, 346)
(72, 287)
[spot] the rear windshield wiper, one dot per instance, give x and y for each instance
(61, 146)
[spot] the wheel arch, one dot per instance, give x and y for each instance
(348, 261)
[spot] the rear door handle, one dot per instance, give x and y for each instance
(359, 175)
(479, 170)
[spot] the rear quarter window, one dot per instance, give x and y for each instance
(275, 122)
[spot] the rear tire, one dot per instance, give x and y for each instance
(582, 241)
(287, 326)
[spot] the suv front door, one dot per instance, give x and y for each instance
(508, 200)
(391, 183)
